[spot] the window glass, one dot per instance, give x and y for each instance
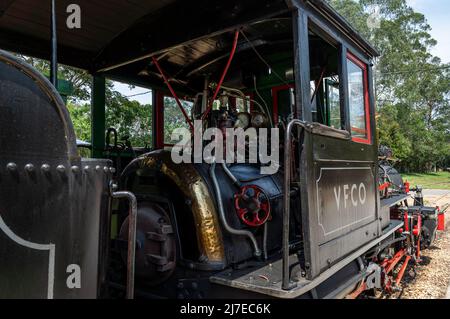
(129, 111)
(174, 118)
(333, 103)
(357, 104)
(324, 84)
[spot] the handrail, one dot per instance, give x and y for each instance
(131, 251)
(286, 285)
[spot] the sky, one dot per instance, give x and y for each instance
(437, 13)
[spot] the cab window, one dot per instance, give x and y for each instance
(358, 100)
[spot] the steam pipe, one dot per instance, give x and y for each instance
(286, 200)
(225, 71)
(132, 224)
(231, 176)
(228, 228)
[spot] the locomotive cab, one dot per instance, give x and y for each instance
(224, 227)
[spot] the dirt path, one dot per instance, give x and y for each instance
(433, 275)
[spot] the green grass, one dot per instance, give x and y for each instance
(439, 180)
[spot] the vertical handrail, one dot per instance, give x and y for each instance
(132, 224)
(286, 285)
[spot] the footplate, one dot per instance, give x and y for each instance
(267, 280)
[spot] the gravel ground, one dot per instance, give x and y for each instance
(433, 274)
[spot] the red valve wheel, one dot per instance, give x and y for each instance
(252, 205)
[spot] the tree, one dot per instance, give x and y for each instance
(412, 85)
(130, 118)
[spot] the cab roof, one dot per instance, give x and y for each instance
(118, 36)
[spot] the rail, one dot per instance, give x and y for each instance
(286, 285)
(132, 221)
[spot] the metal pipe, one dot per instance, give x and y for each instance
(286, 200)
(225, 71)
(222, 216)
(231, 176)
(132, 224)
(54, 52)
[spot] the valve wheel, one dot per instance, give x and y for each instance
(252, 205)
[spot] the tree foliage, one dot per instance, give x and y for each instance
(412, 85)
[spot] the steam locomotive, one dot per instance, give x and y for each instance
(332, 222)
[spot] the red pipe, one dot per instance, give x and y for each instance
(316, 89)
(225, 71)
(155, 61)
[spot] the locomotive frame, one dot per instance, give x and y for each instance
(337, 208)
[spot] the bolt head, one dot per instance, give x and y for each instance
(29, 168)
(75, 169)
(45, 168)
(12, 167)
(61, 169)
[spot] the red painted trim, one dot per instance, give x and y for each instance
(159, 118)
(384, 186)
(406, 222)
(275, 91)
(363, 67)
(441, 221)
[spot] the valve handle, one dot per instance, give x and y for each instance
(252, 206)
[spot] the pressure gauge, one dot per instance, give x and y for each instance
(243, 120)
(259, 120)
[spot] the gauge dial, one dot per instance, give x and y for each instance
(259, 120)
(243, 120)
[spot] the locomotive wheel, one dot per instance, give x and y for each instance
(155, 244)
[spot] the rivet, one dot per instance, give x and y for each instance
(45, 168)
(75, 169)
(98, 168)
(87, 167)
(29, 168)
(61, 169)
(106, 169)
(12, 167)
(112, 170)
